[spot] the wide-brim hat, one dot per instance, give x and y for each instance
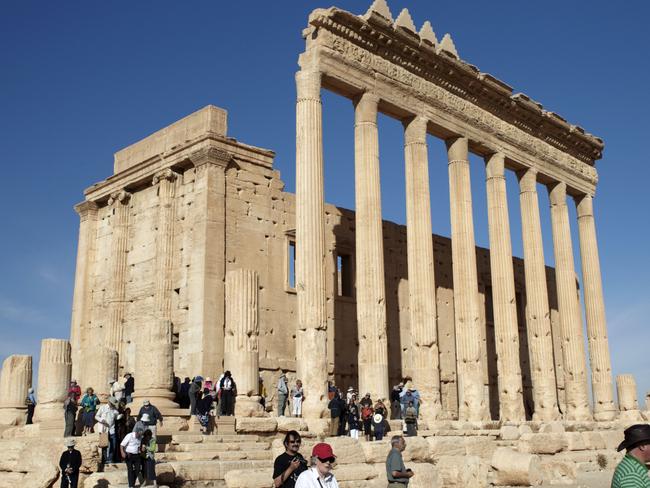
(70, 443)
(635, 435)
(113, 401)
(146, 403)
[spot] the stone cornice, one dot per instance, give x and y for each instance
(407, 50)
(86, 210)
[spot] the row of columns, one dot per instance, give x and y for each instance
(371, 308)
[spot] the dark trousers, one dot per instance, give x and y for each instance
(69, 424)
(227, 402)
(30, 413)
(69, 481)
(133, 467)
(192, 404)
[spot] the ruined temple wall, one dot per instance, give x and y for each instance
(260, 223)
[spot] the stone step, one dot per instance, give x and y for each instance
(226, 446)
(200, 438)
(207, 455)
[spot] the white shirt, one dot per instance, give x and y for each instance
(106, 414)
(310, 479)
(131, 443)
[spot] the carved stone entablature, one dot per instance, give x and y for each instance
(86, 210)
(165, 174)
(210, 155)
(379, 50)
(121, 196)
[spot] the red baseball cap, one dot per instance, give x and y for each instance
(322, 451)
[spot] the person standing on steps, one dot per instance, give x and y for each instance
(290, 464)
(69, 463)
(228, 390)
(396, 472)
(283, 392)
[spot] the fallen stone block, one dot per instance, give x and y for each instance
(461, 472)
(445, 446)
(513, 468)
(558, 471)
(542, 443)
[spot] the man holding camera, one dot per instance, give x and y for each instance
(396, 472)
(288, 465)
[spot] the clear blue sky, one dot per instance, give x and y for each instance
(80, 80)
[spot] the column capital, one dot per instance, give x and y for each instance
(164, 174)
(415, 130)
(527, 180)
(457, 149)
(495, 166)
(86, 210)
(119, 196)
(210, 156)
(585, 205)
(557, 193)
(308, 85)
(365, 108)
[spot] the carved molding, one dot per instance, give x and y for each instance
(86, 210)
(210, 155)
(455, 88)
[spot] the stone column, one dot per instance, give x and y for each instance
(119, 223)
(311, 336)
(504, 304)
(54, 370)
(601, 367)
(102, 368)
(422, 288)
(628, 403)
(573, 341)
(15, 380)
(82, 300)
(371, 290)
(538, 320)
(154, 359)
(241, 346)
(201, 344)
(472, 404)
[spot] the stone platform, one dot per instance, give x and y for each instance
(447, 454)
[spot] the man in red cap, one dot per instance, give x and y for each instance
(632, 471)
(320, 474)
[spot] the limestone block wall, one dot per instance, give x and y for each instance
(231, 212)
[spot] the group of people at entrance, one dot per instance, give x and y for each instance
(207, 399)
(351, 416)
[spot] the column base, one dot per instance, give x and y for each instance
(605, 415)
(249, 406)
(13, 416)
(631, 416)
(159, 398)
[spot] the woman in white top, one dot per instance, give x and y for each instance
(297, 396)
(320, 474)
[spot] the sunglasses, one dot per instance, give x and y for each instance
(295, 441)
(331, 460)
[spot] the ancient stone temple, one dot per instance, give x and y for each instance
(369, 302)
(193, 259)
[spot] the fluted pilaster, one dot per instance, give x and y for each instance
(471, 390)
(154, 361)
(82, 299)
(538, 321)
(311, 336)
(573, 348)
(201, 343)
(601, 366)
(422, 288)
(54, 370)
(241, 346)
(504, 304)
(119, 223)
(371, 290)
